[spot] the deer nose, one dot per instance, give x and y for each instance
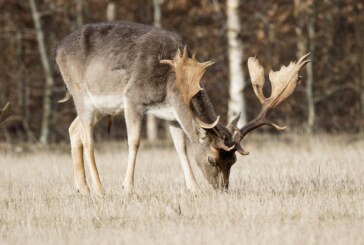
(222, 182)
(224, 185)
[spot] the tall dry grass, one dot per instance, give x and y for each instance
(289, 190)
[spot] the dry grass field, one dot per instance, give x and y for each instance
(289, 190)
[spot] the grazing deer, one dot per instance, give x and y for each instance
(111, 67)
(5, 112)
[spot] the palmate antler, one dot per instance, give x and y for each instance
(5, 112)
(283, 83)
(188, 75)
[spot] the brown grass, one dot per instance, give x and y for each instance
(289, 190)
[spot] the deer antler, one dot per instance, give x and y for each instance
(188, 75)
(5, 112)
(283, 83)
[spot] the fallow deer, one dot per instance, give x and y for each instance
(116, 66)
(5, 112)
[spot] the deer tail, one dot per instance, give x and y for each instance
(66, 97)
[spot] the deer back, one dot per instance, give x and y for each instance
(117, 58)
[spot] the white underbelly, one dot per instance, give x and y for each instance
(163, 111)
(114, 104)
(108, 104)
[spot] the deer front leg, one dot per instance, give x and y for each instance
(133, 121)
(88, 145)
(77, 157)
(179, 141)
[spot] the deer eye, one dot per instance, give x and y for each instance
(211, 160)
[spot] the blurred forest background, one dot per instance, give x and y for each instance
(330, 98)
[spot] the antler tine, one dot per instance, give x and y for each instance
(168, 62)
(207, 125)
(207, 64)
(177, 58)
(219, 143)
(235, 121)
(178, 54)
(283, 82)
(185, 56)
(303, 60)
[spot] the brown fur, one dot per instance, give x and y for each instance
(122, 59)
(109, 67)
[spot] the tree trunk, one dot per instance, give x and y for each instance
(23, 90)
(302, 43)
(235, 50)
(110, 11)
(359, 32)
(79, 9)
(152, 124)
(310, 74)
(362, 87)
(47, 100)
(157, 13)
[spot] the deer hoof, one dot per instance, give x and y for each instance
(84, 190)
(100, 191)
(193, 188)
(128, 188)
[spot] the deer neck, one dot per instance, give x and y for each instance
(204, 110)
(203, 107)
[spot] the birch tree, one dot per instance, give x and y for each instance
(359, 33)
(236, 73)
(79, 10)
(152, 126)
(49, 80)
(310, 75)
(307, 42)
(110, 11)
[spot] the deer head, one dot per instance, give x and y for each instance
(5, 112)
(217, 144)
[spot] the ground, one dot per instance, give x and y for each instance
(289, 190)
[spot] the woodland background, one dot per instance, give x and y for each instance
(330, 99)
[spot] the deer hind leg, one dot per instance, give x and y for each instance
(179, 141)
(133, 120)
(88, 146)
(75, 131)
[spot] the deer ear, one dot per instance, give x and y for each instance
(202, 136)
